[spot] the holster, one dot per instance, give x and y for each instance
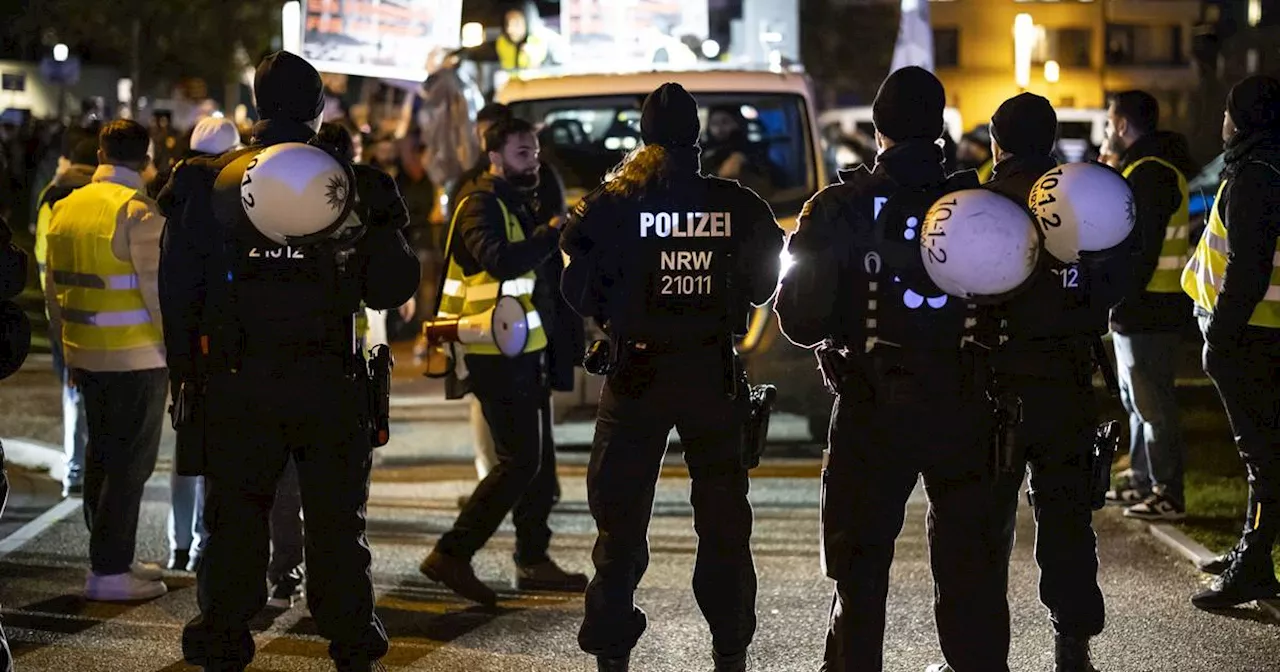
(1006, 409)
(601, 357)
(187, 416)
(1106, 440)
(755, 434)
(378, 390)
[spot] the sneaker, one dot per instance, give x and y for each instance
(1156, 507)
(73, 490)
(939, 667)
(1127, 490)
(126, 587)
(193, 565)
(284, 594)
(146, 571)
(549, 577)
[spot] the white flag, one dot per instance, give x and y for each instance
(915, 37)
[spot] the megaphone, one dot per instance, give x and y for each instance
(504, 325)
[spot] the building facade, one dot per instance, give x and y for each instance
(1074, 52)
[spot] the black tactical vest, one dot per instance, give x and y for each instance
(299, 297)
(904, 308)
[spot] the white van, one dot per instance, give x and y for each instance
(588, 122)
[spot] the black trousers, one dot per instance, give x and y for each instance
(1055, 442)
(256, 420)
(640, 404)
(912, 416)
(517, 406)
(124, 411)
(1248, 381)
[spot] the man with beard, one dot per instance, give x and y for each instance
(496, 248)
(1149, 320)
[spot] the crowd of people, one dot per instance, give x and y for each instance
(166, 280)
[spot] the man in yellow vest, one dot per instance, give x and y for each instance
(78, 172)
(1234, 279)
(496, 248)
(1148, 320)
(101, 281)
(519, 48)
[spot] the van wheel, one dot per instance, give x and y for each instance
(818, 425)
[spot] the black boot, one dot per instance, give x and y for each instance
(1071, 654)
(1251, 575)
(1216, 566)
(612, 664)
(734, 663)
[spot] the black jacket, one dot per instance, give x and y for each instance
(615, 278)
(566, 337)
(194, 251)
(1251, 215)
(1156, 197)
(820, 294)
(1063, 308)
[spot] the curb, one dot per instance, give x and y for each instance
(36, 456)
(1192, 550)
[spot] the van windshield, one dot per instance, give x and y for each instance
(761, 140)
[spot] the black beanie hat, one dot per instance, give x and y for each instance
(287, 87)
(669, 117)
(1254, 103)
(909, 105)
(1025, 125)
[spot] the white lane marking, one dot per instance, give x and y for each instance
(34, 528)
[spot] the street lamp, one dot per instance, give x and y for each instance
(1051, 72)
(60, 52)
(291, 24)
(1024, 35)
(472, 35)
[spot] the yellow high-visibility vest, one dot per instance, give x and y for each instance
(464, 295)
(1177, 240)
(530, 55)
(102, 307)
(1202, 278)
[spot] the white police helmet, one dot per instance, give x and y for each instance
(1082, 207)
(978, 245)
(296, 194)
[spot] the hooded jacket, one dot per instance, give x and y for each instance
(1156, 196)
(1248, 211)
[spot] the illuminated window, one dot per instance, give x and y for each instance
(1070, 47)
(1255, 12)
(946, 47)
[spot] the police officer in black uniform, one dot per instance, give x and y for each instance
(668, 260)
(1053, 331)
(265, 334)
(902, 358)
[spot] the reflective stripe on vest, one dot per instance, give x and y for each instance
(1177, 242)
(98, 296)
(464, 295)
(1202, 278)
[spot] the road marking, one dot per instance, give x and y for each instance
(34, 528)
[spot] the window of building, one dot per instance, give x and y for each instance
(946, 47)
(1070, 47)
(1144, 45)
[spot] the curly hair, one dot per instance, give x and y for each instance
(647, 166)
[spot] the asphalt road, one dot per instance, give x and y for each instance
(1151, 625)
